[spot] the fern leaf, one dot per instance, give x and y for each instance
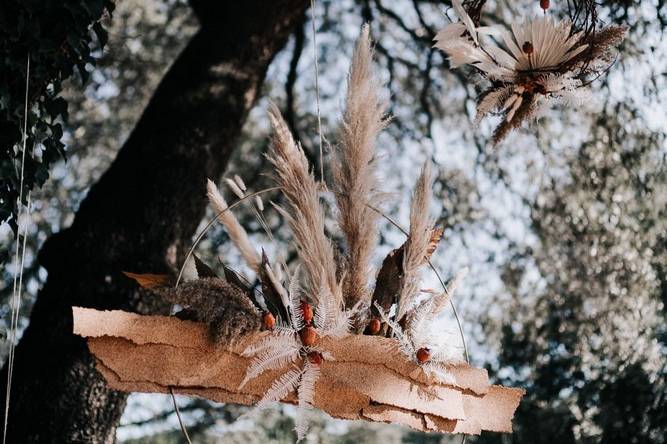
(294, 292)
(276, 342)
(272, 358)
(281, 387)
(306, 393)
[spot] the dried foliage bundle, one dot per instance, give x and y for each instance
(326, 306)
(539, 61)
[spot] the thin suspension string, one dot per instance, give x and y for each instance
(15, 319)
(178, 415)
(317, 87)
(18, 272)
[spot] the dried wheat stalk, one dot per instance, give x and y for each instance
(354, 170)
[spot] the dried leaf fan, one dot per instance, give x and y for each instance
(536, 62)
(323, 335)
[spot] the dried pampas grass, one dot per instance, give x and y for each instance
(236, 232)
(305, 215)
(419, 240)
(354, 170)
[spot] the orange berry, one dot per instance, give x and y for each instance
(423, 355)
(308, 336)
(307, 311)
(544, 4)
(268, 321)
(374, 326)
(315, 357)
(528, 48)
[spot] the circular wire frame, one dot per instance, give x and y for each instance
(212, 221)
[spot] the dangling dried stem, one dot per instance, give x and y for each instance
(305, 215)
(236, 232)
(419, 240)
(354, 170)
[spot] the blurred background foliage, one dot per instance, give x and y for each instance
(563, 226)
(59, 38)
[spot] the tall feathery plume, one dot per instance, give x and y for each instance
(236, 232)
(354, 170)
(419, 240)
(305, 215)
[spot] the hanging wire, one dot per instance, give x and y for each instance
(178, 415)
(18, 271)
(317, 87)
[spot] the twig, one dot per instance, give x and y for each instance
(178, 415)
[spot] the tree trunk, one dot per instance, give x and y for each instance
(141, 216)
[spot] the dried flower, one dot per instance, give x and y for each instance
(540, 59)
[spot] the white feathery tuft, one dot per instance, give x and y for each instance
(275, 341)
(273, 357)
(236, 232)
(295, 300)
(281, 387)
(306, 396)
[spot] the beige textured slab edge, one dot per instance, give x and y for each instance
(364, 381)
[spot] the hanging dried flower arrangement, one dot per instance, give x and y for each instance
(539, 61)
(325, 335)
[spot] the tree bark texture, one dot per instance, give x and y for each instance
(141, 217)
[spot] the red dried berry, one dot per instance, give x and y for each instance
(315, 358)
(374, 326)
(544, 4)
(528, 48)
(268, 321)
(423, 355)
(308, 336)
(307, 311)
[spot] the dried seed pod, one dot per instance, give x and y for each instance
(527, 48)
(308, 336)
(423, 355)
(268, 321)
(307, 311)
(374, 326)
(315, 357)
(544, 4)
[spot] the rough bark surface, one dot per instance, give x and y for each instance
(141, 216)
